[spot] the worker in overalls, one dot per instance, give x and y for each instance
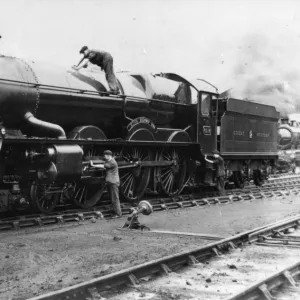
(112, 180)
(220, 171)
(102, 59)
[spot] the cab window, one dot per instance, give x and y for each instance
(194, 96)
(205, 104)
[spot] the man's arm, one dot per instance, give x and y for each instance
(84, 65)
(98, 166)
(208, 160)
(81, 61)
(110, 165)
(90, 56)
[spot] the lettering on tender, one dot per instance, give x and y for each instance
(263, 134)
(238, 132)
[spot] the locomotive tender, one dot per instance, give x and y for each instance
(53, 123)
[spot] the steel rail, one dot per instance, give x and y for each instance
(273, 183)
(282, 175)
(167, 264)
(158, 200)
(202, 236)
(277, 239)
(263, 288)
(159, 204)
(259, 235)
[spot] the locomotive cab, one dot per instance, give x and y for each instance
(207, 118)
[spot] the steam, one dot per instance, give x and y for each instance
(268, 71)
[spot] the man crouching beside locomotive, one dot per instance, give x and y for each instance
(220, 171)
(112, 180)
(102, 59)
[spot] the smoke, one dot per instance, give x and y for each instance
(268, 71)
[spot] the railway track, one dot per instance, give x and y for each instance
(284, 284)
(238, 263)
(284, 185)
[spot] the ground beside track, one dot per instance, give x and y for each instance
(217, 279)
(225, 219)
(34, 261)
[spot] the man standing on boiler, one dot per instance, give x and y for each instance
(102, 59)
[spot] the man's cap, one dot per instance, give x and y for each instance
(107, 152)
(215, 152)
(83, 49)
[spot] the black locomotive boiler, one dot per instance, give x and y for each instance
(53, 123)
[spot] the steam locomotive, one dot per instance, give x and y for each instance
(54, 123)
(288, 143)
(289, 135)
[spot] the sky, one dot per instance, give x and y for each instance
(217, 40)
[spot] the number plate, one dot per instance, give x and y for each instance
(206, 130)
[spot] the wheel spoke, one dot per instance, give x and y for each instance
(131, 187)
(126, 157)
(166, 178)
(81, 199)
(125, 175)
(172, 184)
(127, 183)
(42, 201)
(168, 184)
(134, 181)
(78, 191)
(166, 173)
(129, 175)
(167, 157)
(85, 194)
(172, 177)
(134, 153)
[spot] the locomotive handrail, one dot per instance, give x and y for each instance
(54, 87)
(111, 142)
(209, 84)
(58, 87)
(131, 164)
